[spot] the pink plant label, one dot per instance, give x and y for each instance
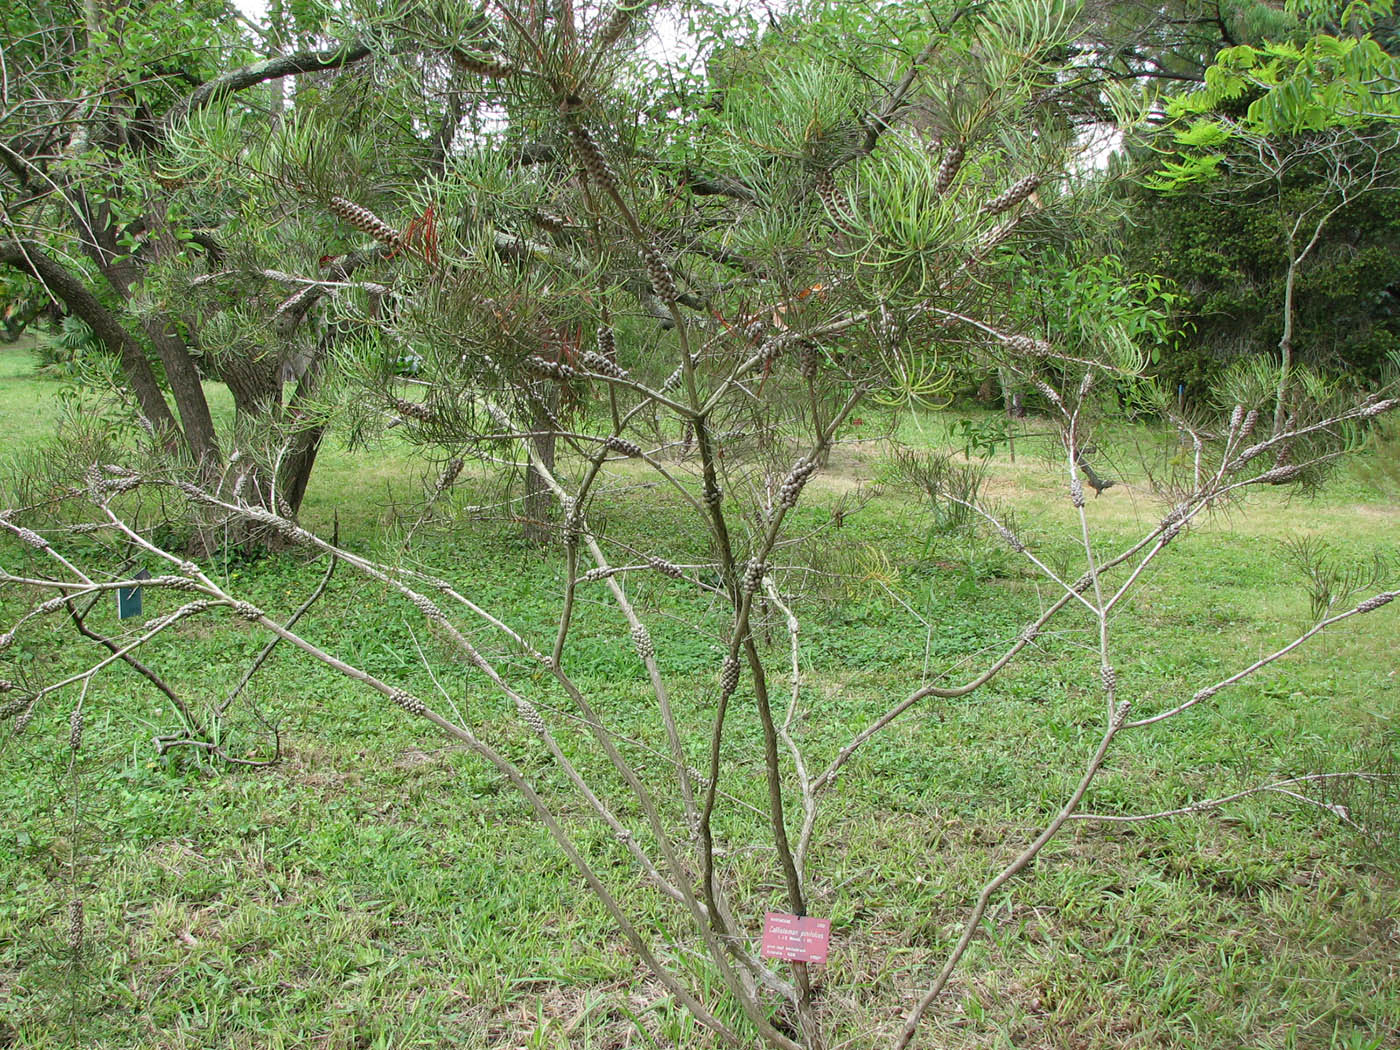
(796, 939)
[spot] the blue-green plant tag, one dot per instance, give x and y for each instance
(129, 598)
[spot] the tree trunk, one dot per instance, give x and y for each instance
(306, 440)
(63, 284)
(180, 373)
(538, 499)
(98, 237)
(1285, 343)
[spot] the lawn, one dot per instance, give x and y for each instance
(378, 888)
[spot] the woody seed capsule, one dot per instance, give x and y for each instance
(408, 702)
(428, 608)
(796, 479)
(659, 275)
(729, 676)
(412, 409)
(589, 155)
(948, 168)
(530, 716)
(665, 567)
(753, 574)
(603, 364)
(365, 221)
(1014, 195)
(75, 925)
(482, 67)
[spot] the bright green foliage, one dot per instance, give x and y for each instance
(1228, 262)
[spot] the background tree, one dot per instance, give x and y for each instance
(92, 96)
(1279, 219)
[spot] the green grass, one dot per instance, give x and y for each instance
(378, 888)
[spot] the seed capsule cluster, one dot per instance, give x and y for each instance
(1011, 539)
(1205, 694)
(659, 274)
(807, 361)
(482, 66)
(573, 521)
(245, 610)
(801, 472)
(549, 369)
(75, 925)
(75, 729)
(617, 22)
(408, 701)
(1109, 676)
(1076, 492)
(595, 574)
(6, 640)
(1372, 604)
(1014, 195)
(665, 567)
(32, 538)
(753, 574)
(547, 220)
(365, 221)
(530, 716)
(607, 343)
(449, 473)
(428, 608)
(833, 200)
(673, 380)
(603, 365)
(1049, 393)
(589, 155)
(641, 638)
(729, 676)
(948, 168)
(1377, 407)
(712, 495)
(622, 445)
(993, 237)
(1280, 475)
(1024, 344)
(413, 409)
